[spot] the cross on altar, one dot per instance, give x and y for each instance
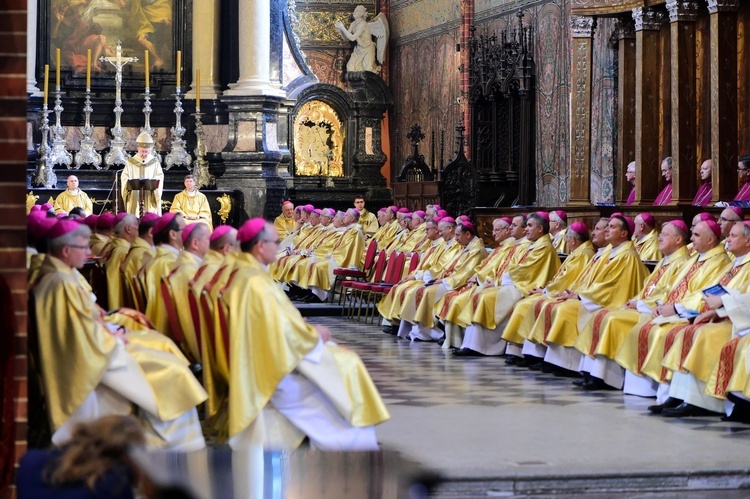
(118, 62)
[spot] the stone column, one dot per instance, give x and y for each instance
(682, 16)
(31, 17)
(255, 50)
(723, 49)
(625, 31)
(647, 24)
(206, 16)
(582, 28)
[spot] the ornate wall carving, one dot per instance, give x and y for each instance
(425, 87)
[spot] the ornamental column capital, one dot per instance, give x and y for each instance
(647, 19)
(715, 6)
(582, 26)
(682, 11)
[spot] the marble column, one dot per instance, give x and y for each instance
(206, 16)
(255, 50)
(723, 49)
(625, 32)
(582, 28)
(31, 17)
(682, 16)
(647, 79)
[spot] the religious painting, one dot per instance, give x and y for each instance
(76, 26)
(318, 141)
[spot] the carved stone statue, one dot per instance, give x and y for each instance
(364, 56)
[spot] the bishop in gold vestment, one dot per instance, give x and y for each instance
(286, 379)
(97, 371)
(491, 306)
(602, 336)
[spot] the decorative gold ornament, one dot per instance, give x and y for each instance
(319, 26)
(31, 200)
(318, 141)
(226, 207)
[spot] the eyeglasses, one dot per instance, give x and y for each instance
(78, 246)
(742, 169)
(722, 220)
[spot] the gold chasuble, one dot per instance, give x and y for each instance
(192, 206)
(117, 250)
(207, 271)
(696, 348)
(731, 373)
(269, 339)
(451, 304)
(281, 268)
(607, 329)
(559, 242)
(323, 245)
(184, 270)
(345, 254)
(529, 269)
(643, 348)
(566, 275)
(616, 279)
(528, 324)
(369, 222)
(72, 365)
(648, 247)
(97, 244)
(140, 253)
(385, 234)
(161, 265)
(66, 201)
(390, 305)
(284, 226)
(454, 277)
(406, 300)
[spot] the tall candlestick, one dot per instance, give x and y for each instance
(57, 66)
(179, 66)
(148, 80)
(46, 82)
(198, 89)
(88, 68)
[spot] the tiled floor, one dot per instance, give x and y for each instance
(478, 419)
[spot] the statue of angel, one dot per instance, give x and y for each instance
(364, 56)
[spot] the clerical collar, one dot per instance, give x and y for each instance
(738, 261)
(614, 250)
(74, 193)
(191, 193)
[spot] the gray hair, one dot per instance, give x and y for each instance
(126, 220)
(228, 238)
(55, 246)
(581, 237)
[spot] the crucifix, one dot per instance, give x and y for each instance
(117, 155)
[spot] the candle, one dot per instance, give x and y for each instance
(148, 84)
(198, 89)
(57, 66)
(88, 68)
(179, 66)
(46, 82)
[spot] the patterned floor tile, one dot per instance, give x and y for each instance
(415, 374)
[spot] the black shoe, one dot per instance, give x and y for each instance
(670, 403)
(512, 360)
(685, 410)
(441, 341)
(527, 361)
(196, 369)
(582, 380)
(536, 366)
(389, 330)
(466, 352)
(312, 299)
(561, 372)
(548, 368)
(594, 384)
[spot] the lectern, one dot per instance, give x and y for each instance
(142, 186)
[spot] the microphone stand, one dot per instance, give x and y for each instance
(116, 192)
